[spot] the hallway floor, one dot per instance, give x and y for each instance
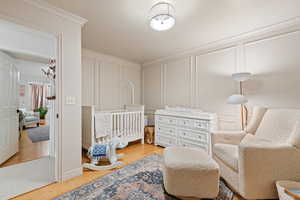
(132, 153)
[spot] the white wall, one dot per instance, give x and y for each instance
(202, 78)
(104, 80)
(26, 41)
(37, 15)
(29, 72)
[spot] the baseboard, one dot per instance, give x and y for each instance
(72, 173)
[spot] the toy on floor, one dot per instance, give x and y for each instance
(99, 152)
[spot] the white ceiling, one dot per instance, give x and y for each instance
(27, 57)
(121, 28)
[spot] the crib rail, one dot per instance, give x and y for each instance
(128, 125)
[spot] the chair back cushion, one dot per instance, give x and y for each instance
(257, 115)
(294, 138)
(278, 124)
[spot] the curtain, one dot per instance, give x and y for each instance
(38, 96)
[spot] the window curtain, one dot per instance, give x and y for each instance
(38, 96)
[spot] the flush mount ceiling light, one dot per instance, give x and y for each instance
(162, 16)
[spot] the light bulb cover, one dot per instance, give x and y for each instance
(237, 99)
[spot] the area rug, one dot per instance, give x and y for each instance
(38, 134)
(141, 180)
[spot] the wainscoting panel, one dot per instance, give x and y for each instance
(275, 64)
(201, 78)
(105, 81)
(176, 85)
(110, 86)
(152, 87)
(134, 75)
(88, 81)
(214, 85)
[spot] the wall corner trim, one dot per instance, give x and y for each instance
(57, 11)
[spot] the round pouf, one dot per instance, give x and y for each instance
(189, 172)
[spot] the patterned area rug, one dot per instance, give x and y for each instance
(141, 180)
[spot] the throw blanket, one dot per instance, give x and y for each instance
(103, 124)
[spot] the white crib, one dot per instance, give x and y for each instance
(127, 124)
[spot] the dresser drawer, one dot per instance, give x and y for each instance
(185, 122)
(201, 124)
(166, 120)
(193, 135)
(162, 130)
(187, 143)
(165, 141)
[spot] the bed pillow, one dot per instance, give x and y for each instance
(294, 138)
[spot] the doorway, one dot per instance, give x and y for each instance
(28, 104)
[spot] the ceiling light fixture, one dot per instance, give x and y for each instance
(162, 16)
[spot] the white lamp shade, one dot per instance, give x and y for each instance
(237, 99)
(241, 76)
(162, 16)
(162, 22)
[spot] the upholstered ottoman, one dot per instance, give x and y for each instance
(189, 172)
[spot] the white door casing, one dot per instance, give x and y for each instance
(9, 135)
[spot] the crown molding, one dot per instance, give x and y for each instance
(57, 11)
(280, 28)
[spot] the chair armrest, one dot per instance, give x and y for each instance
(270, 162)
(227, 137)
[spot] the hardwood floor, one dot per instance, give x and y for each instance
(28, 151)
(131, 153)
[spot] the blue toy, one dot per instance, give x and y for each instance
(99, 152)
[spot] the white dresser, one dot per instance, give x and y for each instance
(184, 127)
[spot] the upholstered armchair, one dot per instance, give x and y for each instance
(251, 161)
(29, 118)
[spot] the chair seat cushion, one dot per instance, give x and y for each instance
(228, 153)
(31, 119)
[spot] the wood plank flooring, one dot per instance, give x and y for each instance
(132, 153)
(28, 151)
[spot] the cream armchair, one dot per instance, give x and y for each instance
(251, 161)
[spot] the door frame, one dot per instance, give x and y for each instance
(57, 119)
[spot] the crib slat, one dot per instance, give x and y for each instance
(114, 124)
(142, 127)
(124, 125)
(135, 123)
(131, 124)
(139, 124)
(118, 124)
(128, 124)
